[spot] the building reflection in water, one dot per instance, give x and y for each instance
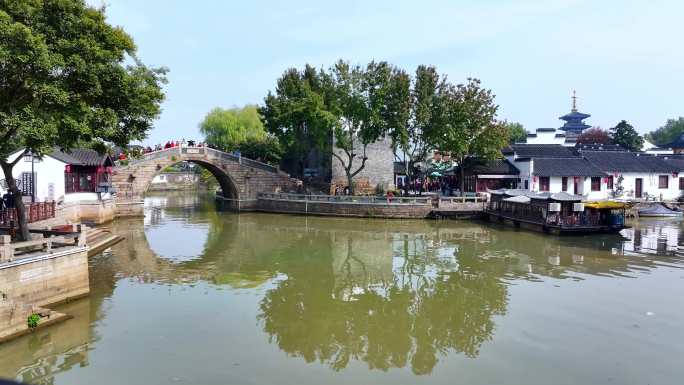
(389, 294)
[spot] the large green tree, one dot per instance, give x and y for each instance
(468, 123)
(297, 114)
(626, 136)
(265, 150)
(226, 129)
(666, 134)
(66, 76)
(363, 114)
(516, 132)
(422, 120)
(339, 112)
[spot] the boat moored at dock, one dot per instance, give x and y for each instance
(658, 210)
(556, 213)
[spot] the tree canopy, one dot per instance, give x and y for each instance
(421, 121)
(626, 136)
(594, 135)
(297, 113)
(666, 134)
(66, 76)
(516, 132)
(226, 129)
(468, 125)
(350, 106)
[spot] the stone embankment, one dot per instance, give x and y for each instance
(31, 280)
(43, 272)
(368, 206)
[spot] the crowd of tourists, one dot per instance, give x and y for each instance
(172, 144)
(445, 185)
(133, 152)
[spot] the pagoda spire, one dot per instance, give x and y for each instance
(574, 121)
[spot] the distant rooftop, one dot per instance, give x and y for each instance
(539, 151)
(565, 167)
(623, 161)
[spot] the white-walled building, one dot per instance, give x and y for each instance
(599, 172)
(556, 168)
(80, 175)
(637, 175)
(549, 136)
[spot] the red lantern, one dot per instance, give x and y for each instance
(67, 168)
(100, 169)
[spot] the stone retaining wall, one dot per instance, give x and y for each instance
(345, 209)
(42, 280)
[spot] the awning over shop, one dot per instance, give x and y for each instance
(604, 205)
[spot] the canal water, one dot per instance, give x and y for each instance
(195, 296)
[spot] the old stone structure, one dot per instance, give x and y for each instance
(240, 179)
(378, 170)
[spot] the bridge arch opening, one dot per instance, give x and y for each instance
(228, 187)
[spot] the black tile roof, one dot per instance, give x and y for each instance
(599, 147)
(674, 160)
(540, 151)
(476, 166)
(618, 161)
(565, 167)
(82, 157)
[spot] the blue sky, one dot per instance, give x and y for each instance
(624, 58)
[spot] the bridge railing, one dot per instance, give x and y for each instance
(185, 149)
(153, 155)
(371, 199)
(259, 165)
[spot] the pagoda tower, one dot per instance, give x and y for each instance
(574, 121)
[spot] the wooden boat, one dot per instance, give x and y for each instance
(556, 213)
(659, 210)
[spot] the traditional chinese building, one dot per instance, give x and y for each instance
(574, 121)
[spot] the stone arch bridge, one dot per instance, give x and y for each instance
(240, 179)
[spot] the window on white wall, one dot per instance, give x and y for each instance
(663, 181)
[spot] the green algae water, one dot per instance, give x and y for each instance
(196, 296)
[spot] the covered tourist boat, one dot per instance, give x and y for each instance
(556, 213)
(659, 210)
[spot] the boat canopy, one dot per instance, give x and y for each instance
(518, 199)
(545, 195)
(604, 205)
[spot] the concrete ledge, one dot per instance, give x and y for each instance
(23, 329)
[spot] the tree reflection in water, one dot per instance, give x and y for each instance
(409, 318)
